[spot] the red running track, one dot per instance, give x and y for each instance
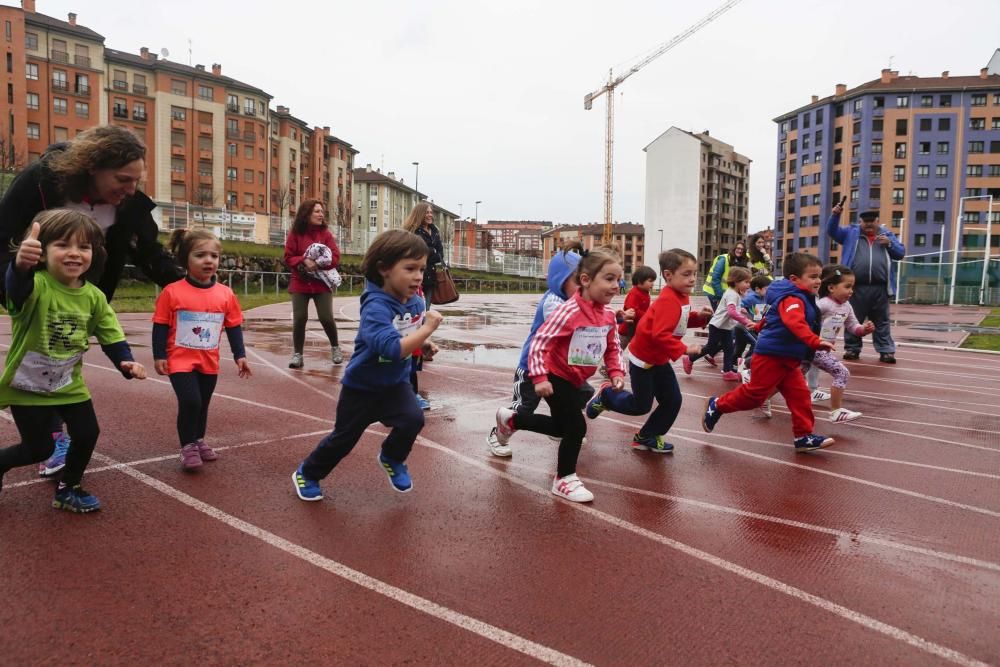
(881, 549)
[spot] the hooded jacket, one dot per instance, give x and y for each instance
(133, 233)
(376, 362)
(850, 235)
(776, 338)
(561, 267)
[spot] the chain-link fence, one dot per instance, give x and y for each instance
(944, 278)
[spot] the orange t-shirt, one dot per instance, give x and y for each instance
(196, 317)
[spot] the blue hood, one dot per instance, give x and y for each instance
(376, 363)
(561, 266)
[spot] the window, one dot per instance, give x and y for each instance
(249, 106)
(231, 150)
(805, 142)
(996, 99)
(60, 134)
(260, 178)
(248, 175)
(248, 199)
(33, 130)
(973, 192)
(944, 101)
(994, 170)
(901, 127)
(920, 239)
(815, 200)
(876, 171)
(941, 171)
(900, 149)
(805, 179)
(818, 157)
(139, 111)
(59, 105)
(926, 124)
(876, 148)
(82, 109)
(920, 217)
(979, 99)
(248, 152)
(805, 159)
(899, 173)
(178, 113)
(139, 84)
(995, 146)
(976, 146)
(82, 84)
(31, 41)
(819, 116)
(231, 173)
(119, 81)
(120, 110)
(817, 178)
(897, 218)
(875, 193)
(936, 241)
(33, 101)
(921, 194)
(877, 125)
(838, 156)
(838, 135)
(793, 145)
(943, 147)
(859, 104)
(178, 87)
(938, 217)
(902, 101)
(974, 170)
(995, 124)
(898, 195)
(206, 92)
(232, 103)
(924, 148)
(855, 173)
(940, 194)
(31, 71)
(854, 195)
(923, 171)
(977, 123)
(926, 100)
(970, 217)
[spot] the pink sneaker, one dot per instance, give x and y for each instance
(687, 363)
(730, 376)
(711, 361)
(190, 459)
(205, 452)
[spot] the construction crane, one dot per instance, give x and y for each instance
(609, 89)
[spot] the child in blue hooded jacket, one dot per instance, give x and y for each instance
(376, 385)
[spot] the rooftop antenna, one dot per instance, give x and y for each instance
(164, 53)
(890, 62)
(189, 52)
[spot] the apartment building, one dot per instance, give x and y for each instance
(627, 237)
(212, 141)
(517, 236)
(382, 202)
(697, 196)
(917, 149)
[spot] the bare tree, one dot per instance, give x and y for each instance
(11, 162)
(204, 197)
(282, 197)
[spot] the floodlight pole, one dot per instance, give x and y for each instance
(984, 282)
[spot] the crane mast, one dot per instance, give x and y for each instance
(608, 89)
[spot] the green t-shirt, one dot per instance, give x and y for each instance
(49, 334)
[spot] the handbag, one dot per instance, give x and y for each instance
(445, 290)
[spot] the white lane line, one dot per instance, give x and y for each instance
(864, 620)
(420, 604)
(917, 403)
(282, 371)
(820, 471)
(879, 394)
(770, 518)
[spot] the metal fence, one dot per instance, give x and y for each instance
(944, 278)
(260, 282)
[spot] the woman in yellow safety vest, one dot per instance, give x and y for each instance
(716, 277)
(760, 257)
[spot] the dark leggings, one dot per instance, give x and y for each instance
(300, 314)
(194, 393)
(34, 424)
(744, 339)
(718, 339)
(566, 422)
(657, 382)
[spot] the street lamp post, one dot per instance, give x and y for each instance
(477, 210)
(416, 181)
(958, 241)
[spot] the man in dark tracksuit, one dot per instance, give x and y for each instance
(869, 250)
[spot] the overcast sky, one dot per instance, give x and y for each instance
(488, 96)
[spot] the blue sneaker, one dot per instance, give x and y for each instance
(307, 489)
(652, 443)
(57, 461)
(711, 416)
(595, 406)
(423, 402)
(812, 442)
(75, 499)
(399, 476)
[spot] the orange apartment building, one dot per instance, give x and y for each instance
(627, 237)
(212, 141)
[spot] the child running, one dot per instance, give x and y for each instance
(657, 342)
(561, 279)
(565, 353)
(754, 302)
(187, 328)
(835, 290)
(720, 328)
(54, 311)
(376, 385)
(637, 300)
(790, 335)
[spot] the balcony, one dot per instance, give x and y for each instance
(249, 112)
(204, 179)
(60, 84)
(856, 115)
(876, 180)
(233, 108)
(232, 133)
(855, 138)
(120, 112)
(177, 176)
(59, 57)
(855, 159)
(204, 129)
(139, 89)
(120, 85)
(139, 116)
(782, 136)
(873, 204)
(178, 124)
(250, 136)
(81, 61)
(877, 136)
(205, 155)
(82, 89)
(878, 112)
(877, 157)
(177, 150)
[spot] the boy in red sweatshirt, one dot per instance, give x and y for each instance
(637, 301)
(790, 336)
(657, 342)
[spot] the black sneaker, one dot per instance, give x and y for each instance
(887, 358)
(851, 355)
(711, 415)
(812, 442)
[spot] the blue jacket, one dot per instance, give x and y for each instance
(848, 237)
(376, 362)
(561, 266)
(775, 339)
(751, 302)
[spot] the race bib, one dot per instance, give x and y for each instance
(405, 325)
(759, 310)
(198, 331)
(586, 347)
(682, 324)
(40, 374)
(832, 326)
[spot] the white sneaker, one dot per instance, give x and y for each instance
(337, 355)
(571, 488)
(496, 448)
(505, 428)
(820, 395)
(296, 361)
(745, 376)
(765, 409)
(841, 415)
(556, 438)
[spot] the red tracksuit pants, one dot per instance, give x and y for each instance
(771, 374)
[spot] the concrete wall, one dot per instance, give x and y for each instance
(673, 181)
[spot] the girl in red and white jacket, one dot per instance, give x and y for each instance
(575, 339)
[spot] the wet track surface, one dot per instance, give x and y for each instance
(881, 549)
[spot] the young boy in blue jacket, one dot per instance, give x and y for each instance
(376, 384)
(790, 336)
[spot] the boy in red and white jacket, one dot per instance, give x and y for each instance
(657, 342)
(637, 300)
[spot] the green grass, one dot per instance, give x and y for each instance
(992, 320)
(985, 341)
